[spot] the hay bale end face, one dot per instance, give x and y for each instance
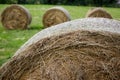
(15, 17)
(54, 16)
(98, 12)
(80, 54)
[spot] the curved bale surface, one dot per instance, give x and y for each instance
(97, 24)
(15, 17)
(54, 16)
(98, 12)
(79, 54)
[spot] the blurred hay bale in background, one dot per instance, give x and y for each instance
(98, 12)
(80, 49)
(15, 17)
(54, 16)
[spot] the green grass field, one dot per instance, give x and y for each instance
(11, 40)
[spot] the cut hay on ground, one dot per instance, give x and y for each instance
(54, 16)
(76, 53)
(98, 12)
(15, 17)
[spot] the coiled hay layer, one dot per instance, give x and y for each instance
(15, 17)
(92, 24)
(80, 55)
(98, 12)
(54, 16)
(72, 51)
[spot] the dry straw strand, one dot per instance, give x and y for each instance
(80, 54)
(93, 24)
(98, 12)
(55, 15)
(16, 17)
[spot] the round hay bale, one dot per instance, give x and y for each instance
(15, 17)
(54, 16)
(79, 54)
(79, 24)
(98, 12)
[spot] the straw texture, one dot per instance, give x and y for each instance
(15, 17)
(55, 15)
(98, 12)
(80, 54)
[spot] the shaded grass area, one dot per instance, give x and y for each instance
(11, 40)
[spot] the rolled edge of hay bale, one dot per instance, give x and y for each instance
(98, 12)
(55, 15)
(79, 49)
(92, 24)
(16, 17)
(82, 54)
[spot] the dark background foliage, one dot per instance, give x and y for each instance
(112, 3)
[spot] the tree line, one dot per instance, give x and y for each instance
(63, 2)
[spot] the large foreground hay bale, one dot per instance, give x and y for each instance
(15, 17)
(79, 54)
(55, 15)
(98, 12)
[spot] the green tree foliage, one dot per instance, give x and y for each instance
(8, 1)
(28, 1)
(64, 2)
(2, 1)
(101, 2)
(21, 2)
(80, 2)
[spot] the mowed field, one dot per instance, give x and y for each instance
(11, 40)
